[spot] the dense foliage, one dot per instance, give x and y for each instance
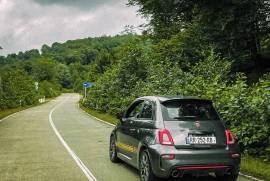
(238, 29)
(17, 89)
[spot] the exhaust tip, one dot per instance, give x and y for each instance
(175, 174)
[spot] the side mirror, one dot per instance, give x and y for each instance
(119, 115)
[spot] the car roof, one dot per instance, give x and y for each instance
(169, 98)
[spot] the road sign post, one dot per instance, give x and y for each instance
(85, 92)
(86, 85)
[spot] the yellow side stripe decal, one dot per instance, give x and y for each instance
(126, 147)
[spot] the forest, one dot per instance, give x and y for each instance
(218, 50)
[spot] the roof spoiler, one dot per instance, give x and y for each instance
(186, 99)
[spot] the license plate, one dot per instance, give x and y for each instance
(201, 140)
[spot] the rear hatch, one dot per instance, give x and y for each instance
(193, 123)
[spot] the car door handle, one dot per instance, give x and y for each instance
(133, 129)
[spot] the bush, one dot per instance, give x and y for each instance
(49, 89)
(17, 89)
(114, 91)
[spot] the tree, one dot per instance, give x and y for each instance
(121, 79)
(44, 69)
(64, 76)
(48, 89)
(45, 49)
(18, 89)
(28, 55)
(235, 27)
(89, 56)
(2, 60)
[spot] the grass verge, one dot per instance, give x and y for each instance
(255, 167)
(104, 116)
(7, 112)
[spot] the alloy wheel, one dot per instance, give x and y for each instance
(112, 149)
(144, 167)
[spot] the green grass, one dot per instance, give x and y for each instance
(7, 112)
(64, 90)
(255, 167)
(104, 116)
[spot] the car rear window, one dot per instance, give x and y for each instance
(175, 110)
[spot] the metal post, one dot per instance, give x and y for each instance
(85, 92)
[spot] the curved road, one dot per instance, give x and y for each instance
(57, 141)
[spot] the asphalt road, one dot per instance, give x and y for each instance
(58, 141)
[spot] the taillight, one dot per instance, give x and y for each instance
(165, 137)
(229, 137)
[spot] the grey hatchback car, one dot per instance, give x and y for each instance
(174, 136)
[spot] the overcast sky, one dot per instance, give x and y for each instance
(28, 24)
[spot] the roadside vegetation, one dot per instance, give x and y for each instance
(100, 115)
(256, 167)
(219, 50)
(6, 112)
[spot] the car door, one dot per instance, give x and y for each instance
(126, 131)
(142, 126)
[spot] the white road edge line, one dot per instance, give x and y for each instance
(14, 114)
(244, 175)
(9, 116)
(20, 112)
(250, 177)
(78, 161)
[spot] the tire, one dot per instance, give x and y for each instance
(145, 169)
(231, 177)
(113, 151)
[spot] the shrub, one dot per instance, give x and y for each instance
(49, 89)
(17, 89)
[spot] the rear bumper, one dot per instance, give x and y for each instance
(193, 161)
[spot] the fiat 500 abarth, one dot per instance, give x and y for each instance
(173, 136)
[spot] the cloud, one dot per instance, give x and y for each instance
(28, 24)
(82, 4)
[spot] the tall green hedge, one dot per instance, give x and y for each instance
(244, 108)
